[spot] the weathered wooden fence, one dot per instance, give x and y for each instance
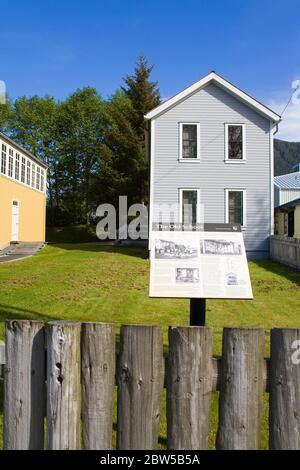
(67, 371)
(285, 250)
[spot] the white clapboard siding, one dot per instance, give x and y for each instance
(213, 107)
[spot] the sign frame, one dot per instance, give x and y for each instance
(199, 261)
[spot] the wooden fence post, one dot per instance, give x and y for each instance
(285, 389)
(140, 385)
(63, 380)
(24, 385)
(189, 386)
(241, 393)
(98, 379)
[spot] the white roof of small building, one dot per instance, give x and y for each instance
(289, 181)
(213, 77)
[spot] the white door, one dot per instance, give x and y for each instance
(15, 222)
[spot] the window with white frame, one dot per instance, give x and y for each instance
(189, 206)
(38, 177)
(17, 167)
(235, 149)
(28, 174)
(236, 206)
(33, 176)
(3, 159)
(10, 163)
(189, 141)
(42, 179)
(23, 169)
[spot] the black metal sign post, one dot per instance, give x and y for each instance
(197, 312)
(198, 306)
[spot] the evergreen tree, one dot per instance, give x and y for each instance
(121, 152)
(144, 95)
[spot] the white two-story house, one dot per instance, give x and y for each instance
(211, 149)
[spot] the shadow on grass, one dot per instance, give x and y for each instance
(99, 247)
(8, 312)
(290, 274)
(71, 234)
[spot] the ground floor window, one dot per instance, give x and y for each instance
(189, 206)
(236, 206)
(291, 223)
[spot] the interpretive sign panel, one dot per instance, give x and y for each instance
(202, 261)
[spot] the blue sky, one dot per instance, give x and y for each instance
(54, 47)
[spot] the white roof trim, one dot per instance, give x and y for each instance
(229, 87)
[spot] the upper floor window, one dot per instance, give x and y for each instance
(11, 163)
(189, 141)
(23, 169)
(33, 176)
(42, 180)
(236, 206)
(38, 177)
(28, 175)
(3, 159)
(235, 142)
(17, 167)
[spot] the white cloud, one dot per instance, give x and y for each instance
(289, 127)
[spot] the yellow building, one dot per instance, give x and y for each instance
(22, 195)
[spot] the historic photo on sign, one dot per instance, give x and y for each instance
(220, 247)
(187, 275)
(168, 249)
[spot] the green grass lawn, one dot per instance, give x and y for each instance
(107, 284)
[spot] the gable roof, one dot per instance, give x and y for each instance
(289, 181)
(22, 149)
(222, 83)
